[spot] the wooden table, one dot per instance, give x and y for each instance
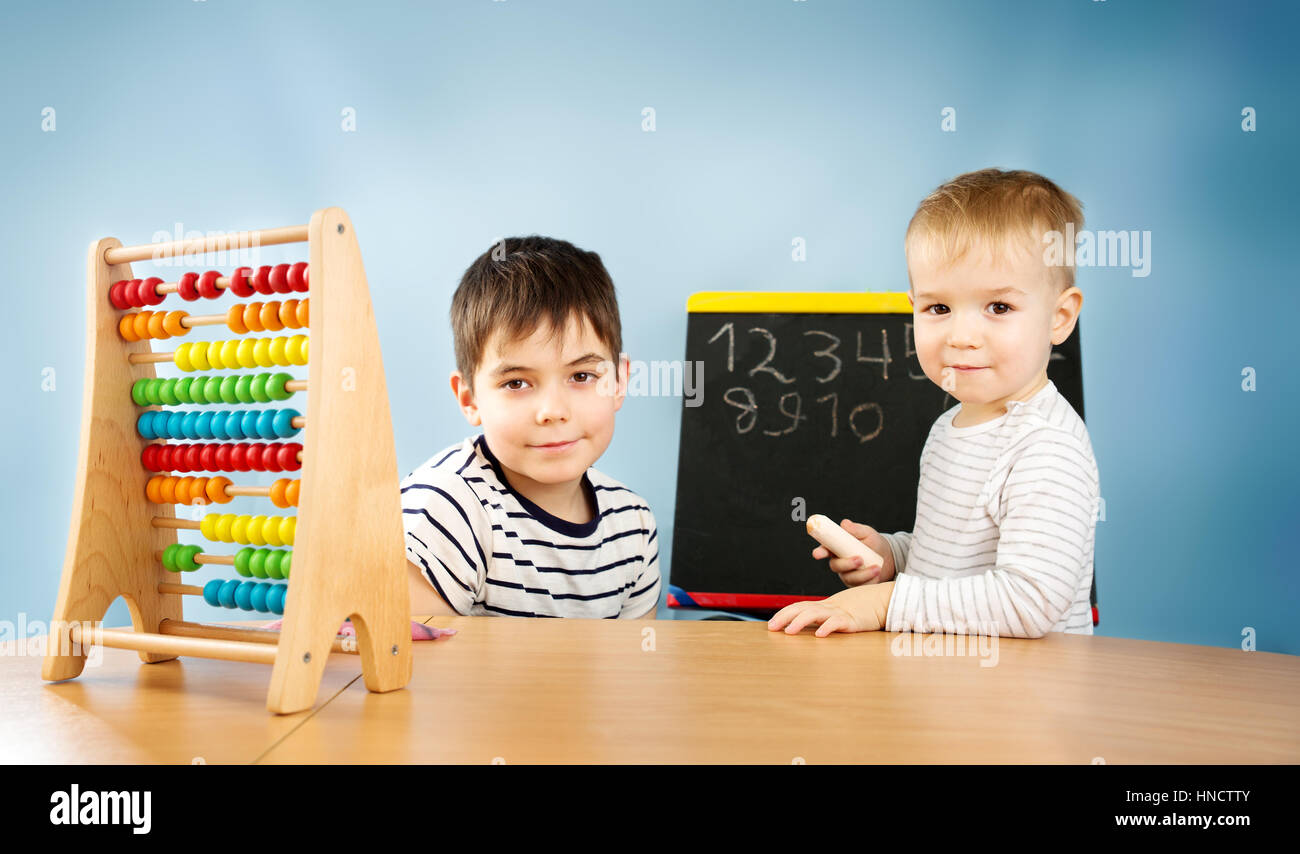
(603, 691)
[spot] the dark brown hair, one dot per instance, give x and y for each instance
(523, 283)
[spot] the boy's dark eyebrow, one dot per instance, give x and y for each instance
(501, 370)
(992, 293)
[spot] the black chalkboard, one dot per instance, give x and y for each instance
(824, 411)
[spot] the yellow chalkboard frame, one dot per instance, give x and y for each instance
(799, 302)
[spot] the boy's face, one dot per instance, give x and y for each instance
(546, 407)
(985, 331)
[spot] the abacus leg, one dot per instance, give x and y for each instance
(65, 660)
(385, 652)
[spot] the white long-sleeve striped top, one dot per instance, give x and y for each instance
(1005, 525)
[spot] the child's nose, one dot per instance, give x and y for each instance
(553, 408)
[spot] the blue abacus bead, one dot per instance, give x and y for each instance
(144, 425)
(176, 425)
(250, 418)
(226, 594)
(275, 599)
(218, 425)
(266, 423)
(212, 592)
(258, 597)
(203, 424)
(189, 425)
(284, 423)
(243, 595)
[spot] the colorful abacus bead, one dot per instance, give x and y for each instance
(244, 456)
(263, 563)
(241, 353)
(232, 388)
(284, 493)
(224, 425)
(253, 530)
(179, 558)
(166, 489)
(263, 596)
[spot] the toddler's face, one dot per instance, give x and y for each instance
(985, 331)
(547, 407)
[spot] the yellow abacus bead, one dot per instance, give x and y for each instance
(288, 527)
(224, 526)
(201, 355)
(254, 530)
(271, 531)
(239, 531)
(208, 526)
(262, 353)
(230, 353)
(278, 355)
(182, 356)
(245, 354)
(298, 350)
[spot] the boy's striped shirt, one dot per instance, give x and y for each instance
(1005, 526)
(488, 550)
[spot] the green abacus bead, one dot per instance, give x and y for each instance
(285, 559)
(167, 392)
(228, 385)
(275, 386)
(257, 564)
(169, 557)
(243, 389)
(241, 561)
(212, 388)
(151, 389)
(258, 389)
(182, 389)
(137, 392)
(281, 565)
(185, 558)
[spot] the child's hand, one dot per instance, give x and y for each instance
(858, 609)
(850, 569)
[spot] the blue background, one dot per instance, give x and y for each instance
(774, 119)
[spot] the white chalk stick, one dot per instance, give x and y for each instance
(840, 542)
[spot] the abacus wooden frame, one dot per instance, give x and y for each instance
(348, 557)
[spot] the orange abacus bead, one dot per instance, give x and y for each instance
(153, 489)
(173, 322)
(168, 490)
(235, 319)
(185, 489)
(126, 326)
(270, 318)
(302, 313)
(216, 490)
(284, 493)
(142, 324)
(289, 313)
(155, 325)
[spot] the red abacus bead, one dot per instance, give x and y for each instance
(280, 278)
(149, 291)
(208, 284)
(130, 293)
(288, 456)
(262, 280)
(149, 457)
(298, 276)
(223, 458)
(239, 457)
(117, 295)
(176, 458)
(193, 458)
(136, 294)
(187, 288)
(271, 458)
(208, 457)
(239, 282)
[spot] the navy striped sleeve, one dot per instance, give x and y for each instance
(644, 595)
(447, 530)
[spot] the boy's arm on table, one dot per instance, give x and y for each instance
(445, 528)
(425, 601)
(1047, 513)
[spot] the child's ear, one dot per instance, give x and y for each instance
(465, 398)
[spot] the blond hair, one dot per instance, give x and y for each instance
(994, 210)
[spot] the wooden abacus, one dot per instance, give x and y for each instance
(348, 558)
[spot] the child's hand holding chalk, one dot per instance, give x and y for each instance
(861, 555)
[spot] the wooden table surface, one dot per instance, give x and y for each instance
(602, 691)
